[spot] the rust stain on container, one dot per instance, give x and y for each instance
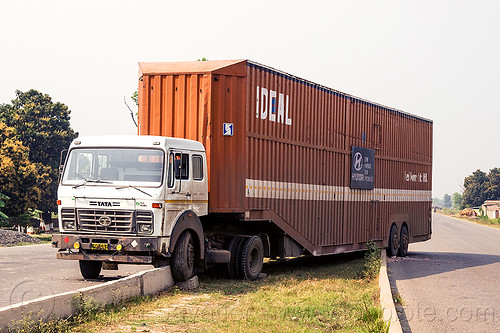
(289, 157)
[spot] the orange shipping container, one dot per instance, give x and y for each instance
(329, 170)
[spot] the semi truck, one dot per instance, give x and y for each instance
(235, 162)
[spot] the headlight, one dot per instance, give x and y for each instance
(69, 225)
(145, 221)
(145, 228)
(68, 218)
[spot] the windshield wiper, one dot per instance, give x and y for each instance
(92, 181)
(134, 187)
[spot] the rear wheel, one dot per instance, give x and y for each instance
(251, 258)
(90, 269)
(404, 240)
(233, 247)
(183, 258)
(393, 248)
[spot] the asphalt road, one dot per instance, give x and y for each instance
(452, 282)
(29, 272)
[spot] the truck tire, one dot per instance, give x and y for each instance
(251, 258)
(403, 242)
(393, 248)
(232, 266)
(183, 258)
(90, 269)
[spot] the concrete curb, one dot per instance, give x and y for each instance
(64, 305)
(390, 314)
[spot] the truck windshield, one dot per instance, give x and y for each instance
(117, 166)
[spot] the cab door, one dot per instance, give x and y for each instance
(178, 176)
(178, 197)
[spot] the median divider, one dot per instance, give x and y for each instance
(66, 304)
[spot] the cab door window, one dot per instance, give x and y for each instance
(181, 166)
(178, 167)
(197, 167)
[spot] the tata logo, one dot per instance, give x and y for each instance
(105, 221)
(272, 105)
(104, 204)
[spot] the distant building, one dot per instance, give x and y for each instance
(491, 208)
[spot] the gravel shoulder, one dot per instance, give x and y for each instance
(10, 238)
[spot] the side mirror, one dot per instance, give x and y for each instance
(62, 160)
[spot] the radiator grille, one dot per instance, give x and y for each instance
(98, 220)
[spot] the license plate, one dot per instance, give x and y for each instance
(99, 246)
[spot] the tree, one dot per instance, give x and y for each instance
(43, 128)
(3, 217)
(474, 189)
(20, 179)
(492, 190)
(457, 200)
(437, 202)
(135, 97)
(447, 201)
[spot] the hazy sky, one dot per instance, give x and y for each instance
(436, 59)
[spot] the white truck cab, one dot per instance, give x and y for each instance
(132, 199)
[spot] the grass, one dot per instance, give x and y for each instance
(331, 294)
(45, 238)
(483, 220)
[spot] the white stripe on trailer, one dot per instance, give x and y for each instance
(297, 191)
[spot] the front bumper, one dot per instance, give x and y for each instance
(108, 248)
(111, 258)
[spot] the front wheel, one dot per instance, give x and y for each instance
(183, 258)
(90, 269)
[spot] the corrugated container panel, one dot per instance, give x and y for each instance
(292, 146)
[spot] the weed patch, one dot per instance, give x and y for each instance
(372, 261)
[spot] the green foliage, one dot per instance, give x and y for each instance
(135, 97)
(492, 190)
(20, 179)
(447, 201)
(372, 261)
(457, 200)
(437, 202)
(373, 317)
(31, 323)
(84, 305)
(480, 187)
(35, 131)
(202, 59)
(475, 189)
(3, 217)
(41, 125)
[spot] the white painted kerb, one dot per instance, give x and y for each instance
(61, 305)
(390, 314)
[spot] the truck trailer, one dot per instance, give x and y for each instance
(236, 161)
